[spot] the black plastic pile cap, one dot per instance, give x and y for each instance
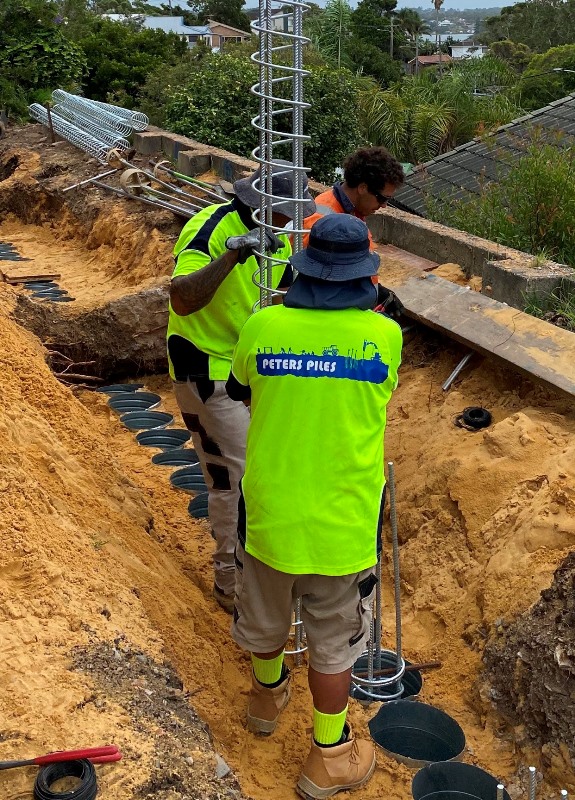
(452, 780)
(115, 388)
(198, 507)
(146, 420)
(416, 734)
(169, 440)
(174, 456)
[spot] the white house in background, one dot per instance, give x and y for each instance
(468, 49)
(214, 34)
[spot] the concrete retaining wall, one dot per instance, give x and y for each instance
(508, 275)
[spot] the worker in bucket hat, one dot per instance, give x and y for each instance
(212, 294)
(318, 372)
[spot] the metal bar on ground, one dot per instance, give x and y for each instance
(459, 368)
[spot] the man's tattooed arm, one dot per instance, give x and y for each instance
(190, 293)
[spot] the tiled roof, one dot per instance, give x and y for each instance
(434, 59)
(462, 172)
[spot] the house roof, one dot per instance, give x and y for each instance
(166, 24)
(434, 59)
(212, 22)
(462, 172)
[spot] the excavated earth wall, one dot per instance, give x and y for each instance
(108, 631)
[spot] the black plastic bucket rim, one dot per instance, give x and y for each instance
(416, 734)
(116, 388)
(452, 780)
(412, 681)
(146, 420)
(39, 285)
(175, 456)
(198, 506)
(173, 439)
(64, 298)
(189, 479)
(140, 401)
(49, 293)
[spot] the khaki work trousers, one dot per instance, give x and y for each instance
(219, 427)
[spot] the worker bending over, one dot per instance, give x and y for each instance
(212, 294)
(319, 372)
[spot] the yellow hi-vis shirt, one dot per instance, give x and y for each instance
(216, 327)
(320, 383)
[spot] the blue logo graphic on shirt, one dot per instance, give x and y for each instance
(330, 364)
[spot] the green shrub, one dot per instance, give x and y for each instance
(215, 106)
(532, 208)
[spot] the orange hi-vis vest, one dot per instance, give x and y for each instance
(328, 203)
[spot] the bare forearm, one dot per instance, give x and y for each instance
(190, 293)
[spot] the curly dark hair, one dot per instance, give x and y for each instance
(374, 166)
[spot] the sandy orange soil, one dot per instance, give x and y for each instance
(98, 548)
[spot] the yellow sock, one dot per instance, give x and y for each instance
(267, 670)
(328, 728)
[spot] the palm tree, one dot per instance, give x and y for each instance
(415, 27)
(424, 117)
(331, 32)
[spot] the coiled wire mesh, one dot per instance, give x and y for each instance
(272, 123)
(277, 109)
(87, 108)
(84, 141)
(137, 120)
(99, 131)
(91, 126)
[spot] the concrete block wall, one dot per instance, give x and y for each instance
(507, 274)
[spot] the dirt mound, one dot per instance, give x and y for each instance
(531, 663)
(104, 576)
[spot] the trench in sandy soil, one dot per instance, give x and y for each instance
(98, 546)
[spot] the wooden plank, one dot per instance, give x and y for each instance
(536, 348)
(13, 277)
(412, 262)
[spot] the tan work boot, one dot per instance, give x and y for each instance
(329, 770)
(265, 705)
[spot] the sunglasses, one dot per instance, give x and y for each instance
(382, 199)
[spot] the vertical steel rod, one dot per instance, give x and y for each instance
(500, 788)
(532, 782)
(378, 620)
(395, 550)
(298, 633)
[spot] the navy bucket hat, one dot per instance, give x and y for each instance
(337, 250)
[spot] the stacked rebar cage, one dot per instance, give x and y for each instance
(91, 126)
(276, 138)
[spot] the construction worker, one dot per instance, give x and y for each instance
(211, 296)
(318, 371)
(371, 175)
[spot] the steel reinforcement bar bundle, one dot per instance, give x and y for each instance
(92, 126)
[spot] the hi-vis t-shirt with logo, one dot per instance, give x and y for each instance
(320, 382)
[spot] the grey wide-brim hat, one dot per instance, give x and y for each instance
(337, 250)
(282, 187)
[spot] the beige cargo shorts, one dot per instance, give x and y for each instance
(336, 612)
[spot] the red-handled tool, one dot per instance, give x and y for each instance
(97, 755)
